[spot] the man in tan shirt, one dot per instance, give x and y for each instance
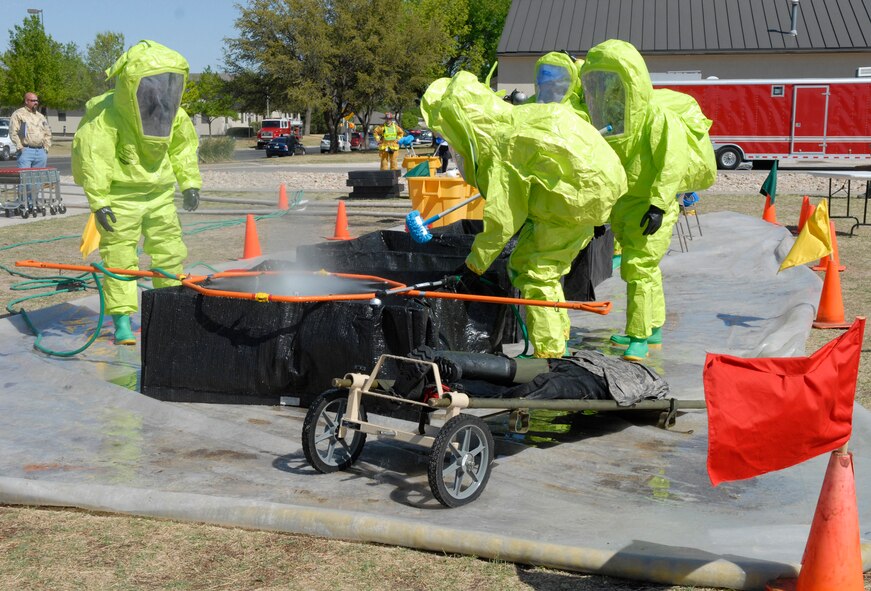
(29, 131)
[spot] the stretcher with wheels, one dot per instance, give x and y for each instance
(461, 449)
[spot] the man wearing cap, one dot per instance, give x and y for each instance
(29, 131)
(387, 136)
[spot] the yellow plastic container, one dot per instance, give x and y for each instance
(433, 195)
(410, 162)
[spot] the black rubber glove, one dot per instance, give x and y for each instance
(599, 231)
(464, 276)
(652, 219)
(191, 199)
(103, 215)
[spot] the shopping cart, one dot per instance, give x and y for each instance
(30, 191)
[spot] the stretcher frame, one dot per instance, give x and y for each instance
(461, 450)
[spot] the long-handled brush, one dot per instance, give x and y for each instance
(417, 226)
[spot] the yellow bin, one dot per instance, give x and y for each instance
(433, 195)
(410, 162)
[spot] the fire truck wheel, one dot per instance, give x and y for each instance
(728, 158)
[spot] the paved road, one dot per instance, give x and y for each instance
(62, 163)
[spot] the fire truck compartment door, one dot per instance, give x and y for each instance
(809, 119)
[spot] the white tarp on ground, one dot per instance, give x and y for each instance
(609, 493)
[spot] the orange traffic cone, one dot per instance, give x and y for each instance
(252, 243)
(341, 231)
(834, 256)
(833, 555)
(282, 197)
(804, 214)
(769, 214)
(830, 312)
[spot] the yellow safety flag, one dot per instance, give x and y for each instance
(813, 242)
(90, 237)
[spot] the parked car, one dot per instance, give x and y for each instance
(424, 138)
(7, 147)
(284, 146)
(325, 143)
(356, 140)
(373, 143)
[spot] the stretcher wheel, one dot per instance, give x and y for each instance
(9, 213)
(42, 211)
(459, 463)
(25, 214)
(62, 208)
(52, 210)
(325, 451)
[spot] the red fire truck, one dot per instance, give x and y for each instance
(826, 120)
(273, 128)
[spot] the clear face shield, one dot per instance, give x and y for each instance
(606, 101)
(459, 161)
(552, 83)
(159, 97)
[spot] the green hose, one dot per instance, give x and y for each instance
(78, 284)
(54, 285)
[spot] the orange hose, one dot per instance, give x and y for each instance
(193, 281)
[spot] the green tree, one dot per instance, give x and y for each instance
(474, 28)
(101, 55)
(207, 97)
(248, 89)
(336, 56)
(36, 62)
(476, 50)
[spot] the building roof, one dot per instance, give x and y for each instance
(680, 26)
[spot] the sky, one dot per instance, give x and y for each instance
(194, 28)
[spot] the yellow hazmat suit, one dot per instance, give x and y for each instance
(132, 146)
(544, 173)
(653, 144)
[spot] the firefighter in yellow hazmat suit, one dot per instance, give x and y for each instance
(558, 80)
(387, 136)
(133, 145)
(544, 173)
(658, 153)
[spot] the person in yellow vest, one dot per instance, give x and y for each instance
(387, 136)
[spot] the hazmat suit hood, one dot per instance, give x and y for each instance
(650, 140)
(464, 110)
(149, 82)
(617, 91)
(556, 78)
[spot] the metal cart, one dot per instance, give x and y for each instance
(461, 450)
(41, 185)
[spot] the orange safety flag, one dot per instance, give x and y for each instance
(813, 242)
(772, 413)
(90, 237)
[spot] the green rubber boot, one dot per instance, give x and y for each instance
(654, 341)
(637, 350)
(123, 332)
